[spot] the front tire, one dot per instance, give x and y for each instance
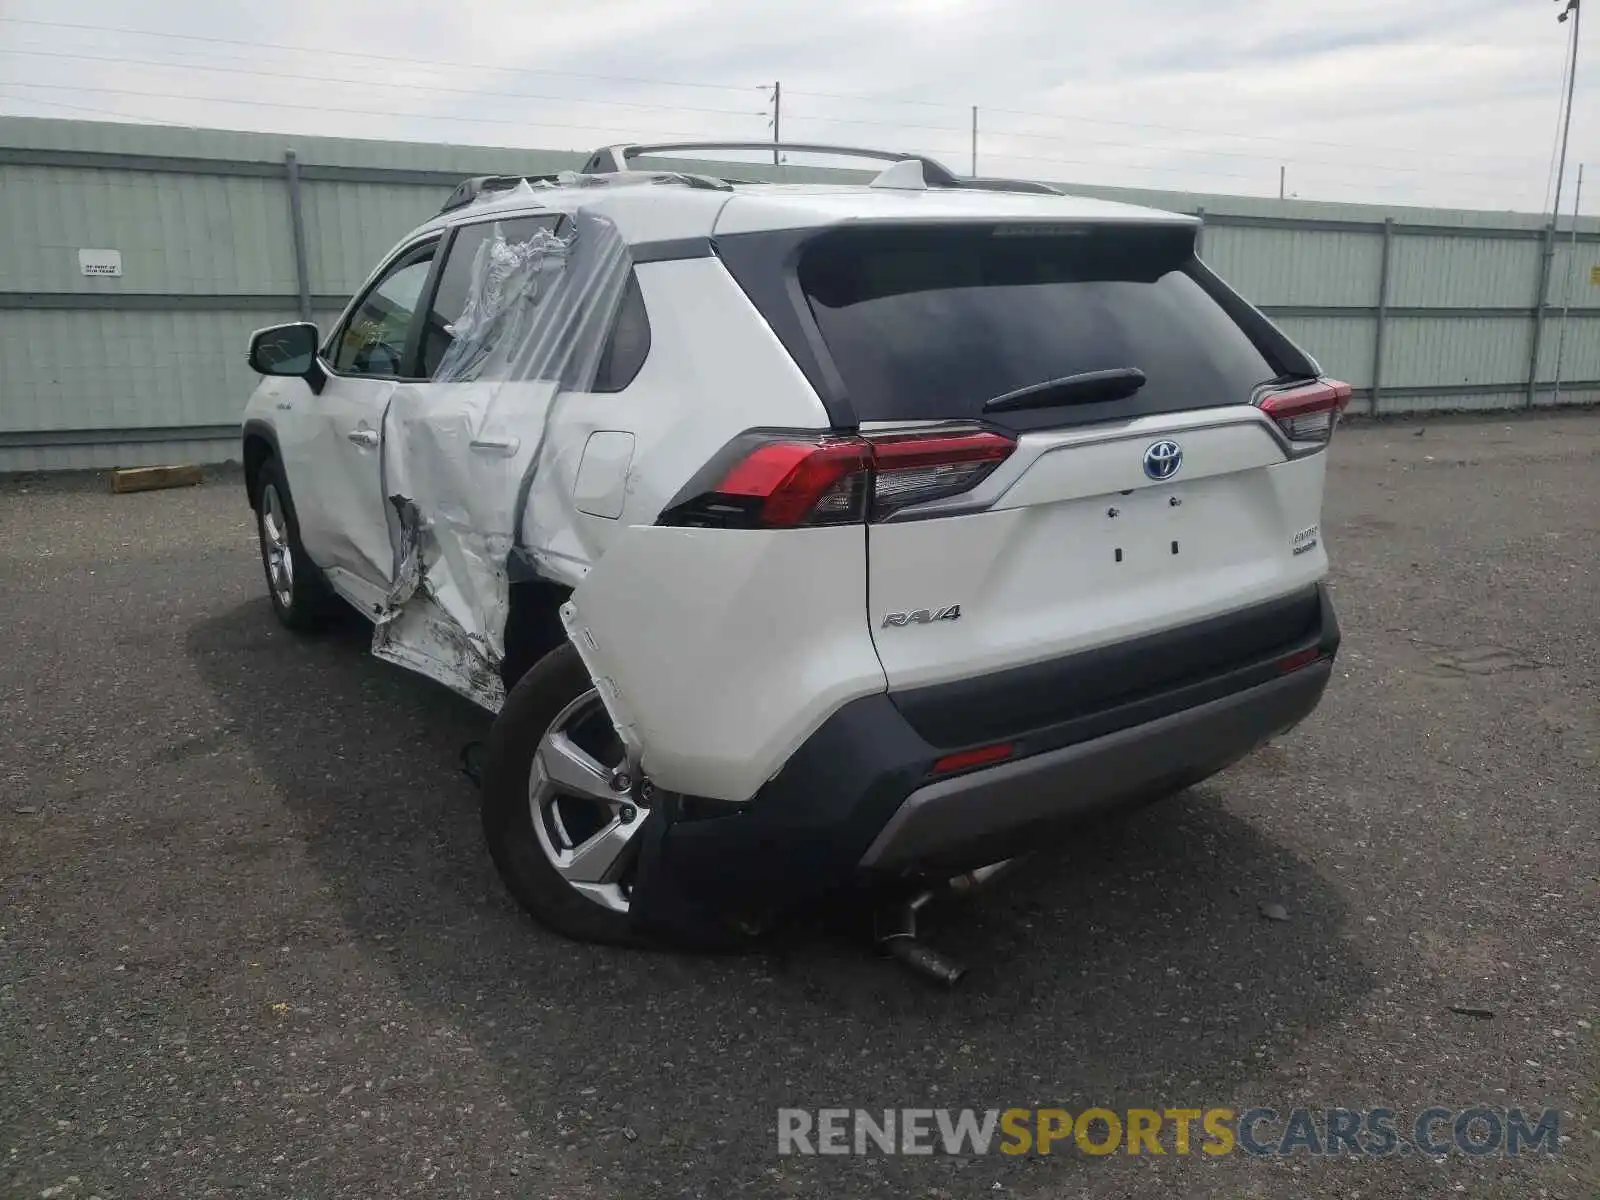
(301, 598)
(560, 820)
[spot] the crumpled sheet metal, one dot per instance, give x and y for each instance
(469, 471)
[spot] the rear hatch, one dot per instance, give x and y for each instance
(1143, 493)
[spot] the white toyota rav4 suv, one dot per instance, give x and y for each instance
(804, 536)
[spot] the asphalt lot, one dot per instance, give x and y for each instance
(250, 943)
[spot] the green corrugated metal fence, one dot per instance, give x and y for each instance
(1420, 309)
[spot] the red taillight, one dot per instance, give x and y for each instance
(798, 482)
(966, 759)
(1308, 412)
(778, 481)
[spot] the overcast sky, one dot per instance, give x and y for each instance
(1446, 102)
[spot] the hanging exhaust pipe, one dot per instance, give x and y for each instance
(924, 960)
(895, 927)
(971, 881)
(895, 931)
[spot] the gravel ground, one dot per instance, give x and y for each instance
(250, 942)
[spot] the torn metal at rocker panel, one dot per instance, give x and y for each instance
(469, 468)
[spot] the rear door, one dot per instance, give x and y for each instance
(1118, 514)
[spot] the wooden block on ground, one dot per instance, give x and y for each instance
(148, 479)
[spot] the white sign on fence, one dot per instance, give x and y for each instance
(100, 262)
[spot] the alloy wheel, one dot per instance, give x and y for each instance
(584, 810)
(275, 545)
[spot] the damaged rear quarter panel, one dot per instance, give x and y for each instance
(725, 649)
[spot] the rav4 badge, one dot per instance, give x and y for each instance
(922, 616)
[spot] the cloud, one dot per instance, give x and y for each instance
(1444, 102)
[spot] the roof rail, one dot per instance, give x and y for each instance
(469, 190)
(617, 158)
(1030, 186)
(612, 159)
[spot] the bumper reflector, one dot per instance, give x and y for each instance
(1300, 658)
(980, 757)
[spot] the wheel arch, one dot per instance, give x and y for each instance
(533, 618)
(260, 444)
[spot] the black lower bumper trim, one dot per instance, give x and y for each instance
(1083, 685)
(970, 819)
(802, 835)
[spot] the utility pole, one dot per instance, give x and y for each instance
(1566, 290)
(974, 141)
(778, 117)
(1283, 181)
(1575, 11)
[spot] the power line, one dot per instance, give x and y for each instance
(481, 93)
(1281, 158)
(325, 51)
(990, 131)
(99, 112)
(359, 112)
(1216, 133)
(1212, 133)
(1191, 172)
(523, 122)
(1555, 138)
(410, 87)
(1201, 171)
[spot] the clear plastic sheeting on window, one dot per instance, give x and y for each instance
(468, 469)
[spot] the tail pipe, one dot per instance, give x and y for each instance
(895, 927)
(922, 959)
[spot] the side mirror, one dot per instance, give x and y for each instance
(288, 350)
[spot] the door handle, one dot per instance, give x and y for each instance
(507, 446)
(363, 437)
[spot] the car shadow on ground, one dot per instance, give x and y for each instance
(1132, 965)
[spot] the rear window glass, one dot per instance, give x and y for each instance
(450, 297)
(932, 322)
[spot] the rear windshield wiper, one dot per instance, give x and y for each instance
(1091, 387)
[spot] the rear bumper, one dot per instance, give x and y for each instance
(945, 821)
(860, 798)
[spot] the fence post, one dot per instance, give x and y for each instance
(297, 230)
(1545, 257)
(1383, 314)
